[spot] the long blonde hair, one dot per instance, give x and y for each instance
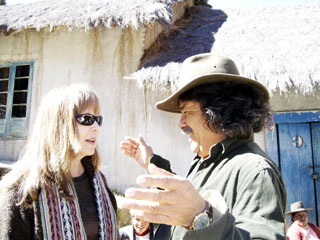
(52, 143)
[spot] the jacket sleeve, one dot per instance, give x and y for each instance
(260, 204)
(161, 162)
(223, 228)
(16, 221)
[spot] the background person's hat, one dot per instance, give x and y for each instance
(206, 68)
(297, 207)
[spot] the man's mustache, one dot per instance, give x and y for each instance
(186, 130)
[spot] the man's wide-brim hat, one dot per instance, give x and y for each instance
(297, 207)
(207, 68)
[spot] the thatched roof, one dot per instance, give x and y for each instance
(276, 45)
(85, 13)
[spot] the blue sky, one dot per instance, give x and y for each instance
(220, 4)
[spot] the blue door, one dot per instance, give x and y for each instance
(315, 131)
(294, 145)
(299, 163)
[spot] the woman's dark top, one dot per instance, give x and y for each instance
(88, 206)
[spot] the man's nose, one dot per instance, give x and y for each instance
(182, 122)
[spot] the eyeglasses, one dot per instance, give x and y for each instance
(303, 215)
(88, 119)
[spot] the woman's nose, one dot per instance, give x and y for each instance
(95, 126)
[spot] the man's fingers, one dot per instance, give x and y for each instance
(129, 144)
(149, 217)
(142, 205)
(132, 141)
(147, 207)
(164, 182)
(154, 195)
(142, 141)
(128, 148)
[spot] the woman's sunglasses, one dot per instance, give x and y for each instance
(88, 119)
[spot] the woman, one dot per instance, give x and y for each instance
(300, 228)
(55, 190)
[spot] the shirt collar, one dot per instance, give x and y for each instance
(218, 150)
(221, 149)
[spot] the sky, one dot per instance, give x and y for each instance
(217, 4)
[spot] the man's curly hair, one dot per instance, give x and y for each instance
(232, 108)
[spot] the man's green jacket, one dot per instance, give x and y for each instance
(251, 185)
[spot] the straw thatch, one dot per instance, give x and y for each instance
(85, 13)
(276, 45)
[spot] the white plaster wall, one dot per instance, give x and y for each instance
(293, 100)
(160, 129)
(98, 57)
(259, 138)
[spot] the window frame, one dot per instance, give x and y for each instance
(9, 133)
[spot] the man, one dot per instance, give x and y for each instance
(233, 189)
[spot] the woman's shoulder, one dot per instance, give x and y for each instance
(11, 198)
(11, 206)
(18, 219)
(11, 195)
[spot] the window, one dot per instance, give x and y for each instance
(15, 99)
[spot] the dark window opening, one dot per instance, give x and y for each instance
(21, 84)
(20, 97)
(19, 111)
(4, 72)
(22, 71)
(2, 112)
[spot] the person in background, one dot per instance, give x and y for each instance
(233, 189)
(301, 229)
(139, 230)
(55, 190)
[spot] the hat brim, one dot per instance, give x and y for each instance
(171, 103)
(299, 210)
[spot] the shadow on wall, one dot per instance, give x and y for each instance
(193, 34)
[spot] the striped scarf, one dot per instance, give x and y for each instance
(61, 219)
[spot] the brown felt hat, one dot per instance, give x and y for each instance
(297, 207)
(207, 68)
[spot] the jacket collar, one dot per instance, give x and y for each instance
(218, 151)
